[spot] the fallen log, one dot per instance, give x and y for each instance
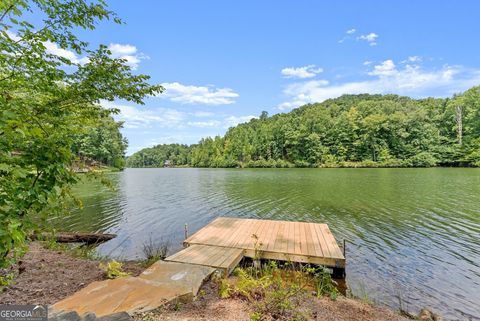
(75, 237)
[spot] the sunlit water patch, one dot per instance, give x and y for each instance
(413, 235)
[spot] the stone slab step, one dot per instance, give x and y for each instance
(162, 283)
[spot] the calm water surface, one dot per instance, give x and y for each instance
(412, 233)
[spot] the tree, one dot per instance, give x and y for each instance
(46, 101)
(103, 143)
(354, 130)
(263, 115)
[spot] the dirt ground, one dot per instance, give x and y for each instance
(209, 306)
(47, 276)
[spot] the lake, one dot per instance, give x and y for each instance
(413, 235)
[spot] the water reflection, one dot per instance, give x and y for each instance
(413, 233)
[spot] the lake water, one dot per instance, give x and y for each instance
(412, 233)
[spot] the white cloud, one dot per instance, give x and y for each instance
(119, 50)
(351, 31)
(386, 68)
(205, 124)
(54, 49)
(371, 38)
(386, 78)
(224, 123)
(301, 72)
(234, 120)
(412, 59)
(188, 94)
(128, 52)
(367, 62)
(13, 35)
(143, 118)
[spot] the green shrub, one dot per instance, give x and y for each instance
(113, 270)
(423, 159)
(6, 280)
(302, 163)
(276, 293)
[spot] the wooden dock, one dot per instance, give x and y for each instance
(223, 243)
(220, 245)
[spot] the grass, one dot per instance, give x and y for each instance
(155, 250)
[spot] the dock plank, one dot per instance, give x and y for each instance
(213, 256)
(281, 240)
(316, 243)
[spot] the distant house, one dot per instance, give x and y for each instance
(167, 163)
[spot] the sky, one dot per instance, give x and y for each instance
(224, 62)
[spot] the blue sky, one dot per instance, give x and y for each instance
(223, 62)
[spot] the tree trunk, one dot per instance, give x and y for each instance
(459, 120)
(76, 237)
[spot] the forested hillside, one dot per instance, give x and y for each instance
(352, 130)
(173, 154)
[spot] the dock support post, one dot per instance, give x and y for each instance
(338, 273)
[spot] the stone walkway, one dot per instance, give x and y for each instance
(162, 283)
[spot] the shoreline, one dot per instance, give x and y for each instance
(45, 276)
(320, 167)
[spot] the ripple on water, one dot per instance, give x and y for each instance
(412, 234)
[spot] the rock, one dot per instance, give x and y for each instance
(437, 317)
(90, 316)
(66, 316)
(160, 284)
(120, 316)
(408, 315)
(425, 315)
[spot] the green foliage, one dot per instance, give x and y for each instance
(349, 131)
(6, 280)
(423, 159)
(277, 293)
(225, 288)
(47, 104)
(113, 270)
(102, 142)
(160, 156)
(324, 285)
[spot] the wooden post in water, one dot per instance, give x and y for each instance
(186, 231)
(339, 272)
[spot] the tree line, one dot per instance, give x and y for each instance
(161, 155)
(349, 131)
